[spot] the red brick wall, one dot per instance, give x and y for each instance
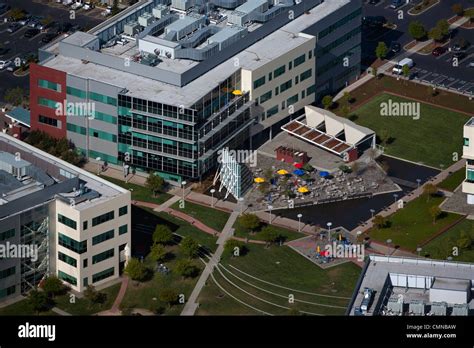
(40, 72)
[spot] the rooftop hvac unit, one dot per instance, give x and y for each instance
(131, 28)
(395, 304)
(461, 309)
(182, 5)
(145, 19)
(439, 308)
(160, 11)
(417, 307)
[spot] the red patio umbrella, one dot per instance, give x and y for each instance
(299, 165)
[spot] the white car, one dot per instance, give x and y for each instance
(107, 11)
(471, 64)
(5, 64)
(76, 6)
(88, 6)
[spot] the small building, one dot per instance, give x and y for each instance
(291, 156)
(450, 290)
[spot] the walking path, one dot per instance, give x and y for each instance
(61, 312)
(191, 305)
(115, 309)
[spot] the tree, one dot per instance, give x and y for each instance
(136, 270)
(384, 136)
(17, 13)
(436, 34)
(38, 300)
(53, 286)
(186, 269)
(168, 296)
(158, 253)
(234, 248)
(458, 9)
(189, 247)
(381, 51)
(406, 71)
(417, 30)
(345, 111)
(155, 183)
(379, 221)
(429, 190)
(270, 235)
(327, 101)
(464, 241)
(94, 296)
(249, 221)
(115, 8)
(443, 26)
(14, 96)
(435, 213)
(162, 234)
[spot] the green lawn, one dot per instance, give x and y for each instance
(22, 308)
(288, 235)
(283, 267)
(83, 306)
(441, 247)
(413, 224)
(430, 140)
(454, 180)
(139, 193)
(146, 295)
(213, 218)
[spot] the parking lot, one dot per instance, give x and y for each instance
(17, 45)
(439, 71)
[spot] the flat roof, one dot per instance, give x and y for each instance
(20, 114)
(451, 284)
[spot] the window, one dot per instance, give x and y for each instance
(297, 80)
(277, 90)
(258, 83)
(76, 92)
(103, 98)
(280, 71)
(270, 76)
(67, 259)
(85, 282)
(123, 210)
(290, 65)
(84, 225)
(466, 141)
(105, 117)
(48, 120)
(102, 275)
(103, 135)
(310, 54)
(67, 278)
(67, 221)
(300, 60)
(103, 218)
(470, 175)
(102, 256)
(76, 129)
(272, 111)
(265, 97)
(7, 291)
(71, 244)
(123, 229)
(103, 156)
(339, 24)
(103, 237)
(7, 234)
(303, 94)
(85, 263)
(7, 272)
(292, 100)
(287, 85)
(48, 103)
(49, 85)
(306, 75)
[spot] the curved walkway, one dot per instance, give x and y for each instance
(115, 309)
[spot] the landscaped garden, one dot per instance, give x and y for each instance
(454, 180)
(265, 280)
(460, 236)
(431, 140)
(213, 218)
(410, 226)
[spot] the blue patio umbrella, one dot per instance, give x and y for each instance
(323, 174)
(298, 172)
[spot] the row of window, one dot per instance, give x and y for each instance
(103, 218)
(73, 280)
(67, 278)
(7, 234)
(339, 41)
(290, 101)
(7, 272)
(67, 221)
(49, 85)
(49, 121)
(7, 291)
(71, 244)
(102, 256)
(103, 237)
(67, 259)
(340, 23)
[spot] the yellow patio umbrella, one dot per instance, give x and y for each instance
(283, 172)
(237, 92)
(259, 180)
(303, 189)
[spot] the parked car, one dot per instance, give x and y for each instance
(398, 69)
(76, 6)
(49, 37)
(107, 11)
(31, 33)
(4, 64)
(88, 6)
(25, 20)
(471, 64)
(459, 56)
(396, 4)
(439, 51)
(374, 21)
(395, 47)
(13, 27)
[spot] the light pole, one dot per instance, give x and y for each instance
(212, 197)
(241, 203)
(270, 215)
(183, 183)
(389, 241)
(395, 196)
(418, 181)
(329, 224)
(98, 159)
(372, 211)
(299, 221)
(418, 250)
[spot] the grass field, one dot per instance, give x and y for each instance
(82, 306)
(454, 180)
(146, 295)
(22, 308)
(266, 278)
(440, 248)
(430, 140)
(288, 235)
(213, 218)
(413, 224)
(139, 193)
